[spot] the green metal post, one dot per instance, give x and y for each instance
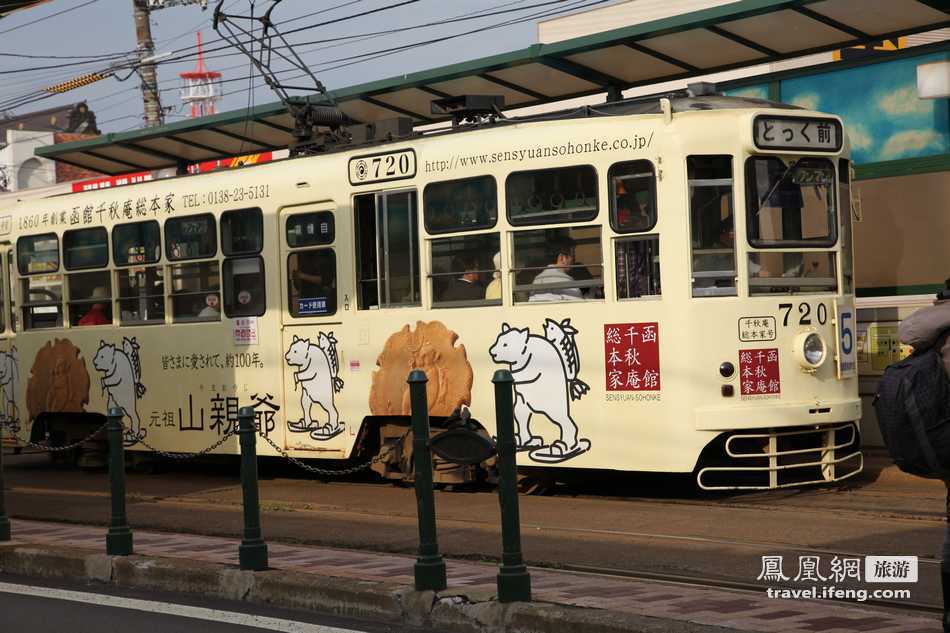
(429, 568)
(514, 581)
(119, 537)
(252, 553)
(4, 520)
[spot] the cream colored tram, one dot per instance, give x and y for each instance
(669, 282)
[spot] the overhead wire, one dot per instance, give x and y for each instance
(48, 17)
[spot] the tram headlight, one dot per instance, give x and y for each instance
(810, 350)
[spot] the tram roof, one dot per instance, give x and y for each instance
(742, 33)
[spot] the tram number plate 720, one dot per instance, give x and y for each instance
(804, 313)
(382, 167)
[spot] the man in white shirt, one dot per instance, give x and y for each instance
(562, 255)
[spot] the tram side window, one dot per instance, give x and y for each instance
(86, 248)
(632, 196)
(141, 287)
(847, 240)
(90, 298)
(460, 205)
(310, 229)
(558, 264)
(464, 272)
(712, 225)
(195, 286)
(566, 194)
(638, 266)
(244, 287)
(13, 320)
(387, 250)
(311, 282)
(242, 232)
(42, 292)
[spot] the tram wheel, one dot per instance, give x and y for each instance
(537, 485)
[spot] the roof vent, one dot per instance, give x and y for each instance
(470, 108)
(702, 89)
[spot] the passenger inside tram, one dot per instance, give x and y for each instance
(468, 285)
(97, 311)
(558, 271)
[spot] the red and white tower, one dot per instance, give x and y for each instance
(201, 87)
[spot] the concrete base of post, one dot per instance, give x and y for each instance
(119, 542)
(430, 574)
(252, 555)
(514, 584)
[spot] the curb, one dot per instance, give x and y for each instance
(451, 611)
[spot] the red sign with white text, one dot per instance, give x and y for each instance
(109, 182)
(632, 356)
(758, 372)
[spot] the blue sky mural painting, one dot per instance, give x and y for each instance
(878, 103)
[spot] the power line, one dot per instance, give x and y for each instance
(51, 15)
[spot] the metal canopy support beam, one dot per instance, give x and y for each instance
(201, 146)
(937, 5)
(738, 39)
(510, 86)
(241, 137)
(661, 56)
(581, 72)
(396, 109)
(844, 28)
(113, 160)
(180, 163)
(434, 92)
(275, 126)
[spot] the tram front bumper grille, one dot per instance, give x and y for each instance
(763, 460)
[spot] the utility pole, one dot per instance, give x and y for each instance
(146, 49)
(141, 10)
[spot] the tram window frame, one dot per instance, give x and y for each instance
(554, 242)
(119, 240)
(177, 296)
(33, 239)
(649, 245)
(754, 208)
(700, 233)
(374, 250)
(256, 305)
(614, 179)
(293, 306)
(845, 218)
(185, 218)
(319, 218)
(254, 213)
(473, 246)
(556, 215)
(75, 233)
(491, 212)
(100, 278)
(149, 302)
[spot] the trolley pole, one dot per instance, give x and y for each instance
(4, 520)
(429, 568)
(252, 553)
(119, 537)
(514, 581)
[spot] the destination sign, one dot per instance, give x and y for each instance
(382, 167)
(797, 133)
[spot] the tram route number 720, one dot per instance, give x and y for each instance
(382, 167)
(804, 313)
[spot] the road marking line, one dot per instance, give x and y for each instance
(168, 608)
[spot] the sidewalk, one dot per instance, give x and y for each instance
(358, 583)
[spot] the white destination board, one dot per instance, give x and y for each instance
(797, 133)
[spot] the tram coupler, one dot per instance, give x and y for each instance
(119, 537)
(252, 553)
(430, 566)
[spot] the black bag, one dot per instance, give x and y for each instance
(913, 412)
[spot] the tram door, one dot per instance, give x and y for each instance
(312, 332)
(9, 363)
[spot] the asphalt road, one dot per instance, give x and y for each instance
(636, 525)
(40, 607)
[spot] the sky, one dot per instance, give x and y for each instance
(105, 27)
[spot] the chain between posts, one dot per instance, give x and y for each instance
(327, 472)
(54, 449)
(181, 456)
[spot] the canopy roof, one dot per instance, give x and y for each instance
(739, 34)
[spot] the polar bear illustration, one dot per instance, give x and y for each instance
(541, 386)
(121, 378)
(10, 383)
(316, 369)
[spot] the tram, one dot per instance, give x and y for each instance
(669, 280)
